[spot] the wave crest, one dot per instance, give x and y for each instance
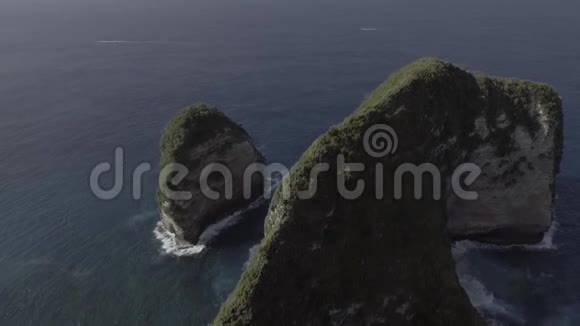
(171, 246)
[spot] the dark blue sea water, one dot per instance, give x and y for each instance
(287, 70)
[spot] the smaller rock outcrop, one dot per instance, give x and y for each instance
(205, 142)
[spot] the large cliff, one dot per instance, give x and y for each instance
(379, 260)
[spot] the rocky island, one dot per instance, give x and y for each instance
(194, 139)
(385, 260)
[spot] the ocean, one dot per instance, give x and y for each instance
(79, 79)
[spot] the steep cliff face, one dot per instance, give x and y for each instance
(385, 259)
(519, 151)
(196, 138)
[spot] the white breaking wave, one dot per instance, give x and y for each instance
(138, 42)
(252, 252)
(127, 42)
(170, 245)
(547, 243)
(481, 298)
(484, 301)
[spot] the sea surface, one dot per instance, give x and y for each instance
(79, 79)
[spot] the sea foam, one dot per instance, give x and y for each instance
(483, 299)
(170, 245)
(547, 243)
(127, 42)
(485, 302)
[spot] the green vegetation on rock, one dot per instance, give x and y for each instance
(196, 138)
(189, 128)
(192, 126)
(374, 261)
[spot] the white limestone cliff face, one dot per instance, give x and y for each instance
(516, 187)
